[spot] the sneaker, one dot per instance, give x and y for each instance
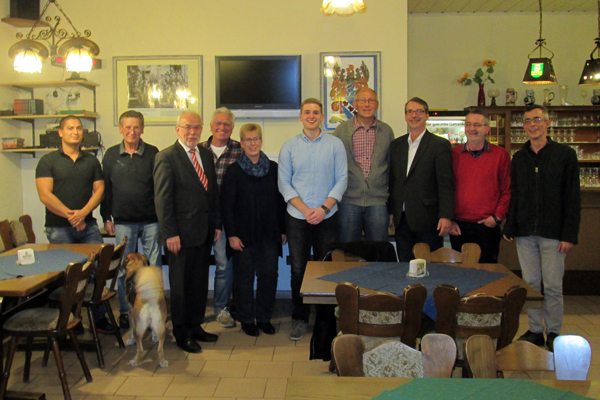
(103, 326)
(225, 319)
(550, 341)
(124, 321)
(299, 328)
(532, 337)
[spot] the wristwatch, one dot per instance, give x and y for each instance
(498, 221)
(327, 210)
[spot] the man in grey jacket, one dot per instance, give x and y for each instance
(367, 142)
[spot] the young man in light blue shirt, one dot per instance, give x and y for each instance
(313, 175)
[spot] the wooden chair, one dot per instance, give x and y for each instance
(381, 316)
(392, 358)
(109, 265)
(28, 225)
(469, 255)
(51, 323)
(478, 315)
(572, 357)
(485, 362)
(5, 235)
(361, 251)
(18, 234)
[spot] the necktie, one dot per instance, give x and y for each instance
(199, 170)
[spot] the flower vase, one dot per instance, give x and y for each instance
(481, 96)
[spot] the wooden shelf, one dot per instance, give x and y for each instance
(42, 149)
(86, 114)
(24, 23)
(51, 84)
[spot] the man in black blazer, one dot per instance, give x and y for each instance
(421, 184)
(187, 206)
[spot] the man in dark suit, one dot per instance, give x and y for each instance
(187, 206)
(421, 184)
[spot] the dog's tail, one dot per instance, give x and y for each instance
(148, 282)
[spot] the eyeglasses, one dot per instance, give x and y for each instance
(189, 128)
(418, 112)
(535, 120)
(475, 125)
(225, 124)
(363, 100)
(251, 139)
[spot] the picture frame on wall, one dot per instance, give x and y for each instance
(342, 75)
(160, 87)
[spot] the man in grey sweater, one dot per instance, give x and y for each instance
(367, 142)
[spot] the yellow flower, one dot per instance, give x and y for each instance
(465, 76)
(489, 63)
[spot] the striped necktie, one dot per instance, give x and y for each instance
(199, 170)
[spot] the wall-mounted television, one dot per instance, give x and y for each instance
(259, 86)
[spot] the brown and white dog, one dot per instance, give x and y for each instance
(147, 306)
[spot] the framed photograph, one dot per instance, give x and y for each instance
(160, 87)
(342, 75)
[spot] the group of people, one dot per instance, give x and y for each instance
(346, 186)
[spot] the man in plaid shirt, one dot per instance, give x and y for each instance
(367, 142)
(225, 152)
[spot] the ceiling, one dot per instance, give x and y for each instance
(499, 6)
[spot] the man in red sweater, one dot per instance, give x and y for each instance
(482, 189)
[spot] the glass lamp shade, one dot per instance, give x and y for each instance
(343, 7)
(591, 72)
(27, 61)
(79, 60)
(539, 72)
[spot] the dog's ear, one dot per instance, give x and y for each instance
(145, 261)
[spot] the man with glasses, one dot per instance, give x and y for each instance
(128, 205)
(225, 151)
(544, 216)
(482, 189)
(187, 205)
(421, 184)
(367, 142)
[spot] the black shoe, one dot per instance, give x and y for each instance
(266, 327)
(103, 326)
(550, 341)
(250, 329)
(202, 336)
(78, 329)
(532, 337)
(124, 321)
(189, 345)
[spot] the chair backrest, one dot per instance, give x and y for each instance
(439, 355)
(381, 315)
(393, 359)
(478, 315)
(77, 276)
(361, 251)
(469, 254)
(572, 357)
(347, 355)
(18, 233)
(5, 235)
(28, 225)
(100, 276)
(524, 356)
(480, 355)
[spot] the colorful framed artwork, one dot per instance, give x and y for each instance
(160, 87)
(342, 75)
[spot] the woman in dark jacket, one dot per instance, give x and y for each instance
(253, 213)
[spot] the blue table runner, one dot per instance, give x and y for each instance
(45, 261)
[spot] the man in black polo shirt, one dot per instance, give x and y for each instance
(69, 183)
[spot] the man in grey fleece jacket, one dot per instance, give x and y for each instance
(367, 142)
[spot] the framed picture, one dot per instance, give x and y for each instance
(160, 87)
(342, 75)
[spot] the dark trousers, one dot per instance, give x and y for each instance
(301, 237)
(260, 259)
(188, 278)
(406, 239)
(487, 238)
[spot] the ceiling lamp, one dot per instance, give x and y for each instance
(344, 8)
(29, 52)
(591, 70)
(540, 70)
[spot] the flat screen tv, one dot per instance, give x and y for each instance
(259, 86)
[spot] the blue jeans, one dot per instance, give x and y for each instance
(68, 234)
(223, 274)
(148, 234)
(542, 262)
(374, 220)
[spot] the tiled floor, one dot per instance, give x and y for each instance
(237, 366)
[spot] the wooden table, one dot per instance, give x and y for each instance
(334, 388)
(25, 286)
(317, 291)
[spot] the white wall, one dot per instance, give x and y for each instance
(443, 47)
